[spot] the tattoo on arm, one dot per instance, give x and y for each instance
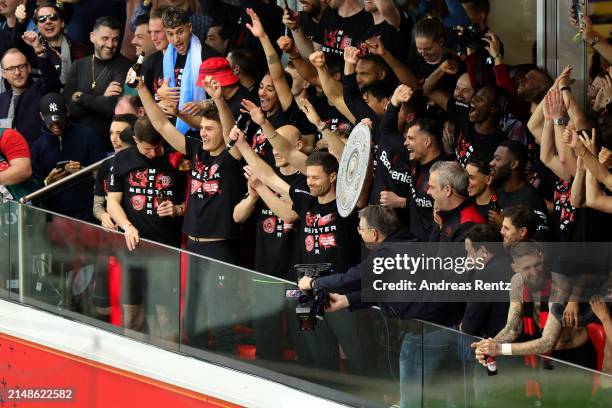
(544, 344)
(514, 325)
(272, 59)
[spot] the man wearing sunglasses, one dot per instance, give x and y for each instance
(60, 49)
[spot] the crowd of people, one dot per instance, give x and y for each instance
(227, 141)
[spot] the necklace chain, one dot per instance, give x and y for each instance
(94, 78)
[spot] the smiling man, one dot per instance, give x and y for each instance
(94, 83)
(60, 49)
(19, 104)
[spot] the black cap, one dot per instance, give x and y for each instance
(53, 108)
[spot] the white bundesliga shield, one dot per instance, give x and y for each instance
(353, 169)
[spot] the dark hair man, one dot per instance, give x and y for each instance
(325, 235)
(121, 140)
(508, 171)
(480, 187)
(94, 84)
(181, 62)
(153, 67)
(60, 49)
(520, 224)
(142, 41)
(65, 141)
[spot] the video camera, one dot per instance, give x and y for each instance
(469, 37)
(311, 304)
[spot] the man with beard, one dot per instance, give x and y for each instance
(508, 171)
(60, 49)
(142, 41)
(65, 149)
(520, 224)
(532, 301)
(476, 120)
(94, 84)
(325, 237)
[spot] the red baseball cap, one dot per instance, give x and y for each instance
(219, 69)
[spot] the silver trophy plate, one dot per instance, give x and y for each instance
(353, 169)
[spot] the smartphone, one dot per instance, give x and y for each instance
(243, 122)
(578, 8)
(61, 164)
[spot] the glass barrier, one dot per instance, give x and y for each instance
(247, 321)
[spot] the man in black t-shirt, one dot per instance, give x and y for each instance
(216, 186)
(342, 25)
(145, 200)
(325, 236)
(121, 137)
(508, 171)
(423, 141)
(477, 124)
(153, 67)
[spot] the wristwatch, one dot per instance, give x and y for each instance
(594, 41)
(562, 121)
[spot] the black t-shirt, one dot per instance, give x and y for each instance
(274, 236)
(234, 101)
(470, 141)
(336, 33)
(396, 41)
(325, 235)
(529, 197)
(421, 203)
(141, 180)
(102, 179)
(179, 65)
(421, 69)
(217, 185)
(153, 71)
(330, 115)
(309, 26)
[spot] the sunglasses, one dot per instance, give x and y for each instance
(43, 19)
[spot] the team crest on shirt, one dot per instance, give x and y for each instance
(138, 202)
(310, 242)
(269, 225)
(163, 181)
(138, 178)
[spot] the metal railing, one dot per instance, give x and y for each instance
(60, 183)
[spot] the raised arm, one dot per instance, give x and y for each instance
(597, 169)
(283, 146)
(335, 143)
(277, 74)
(258, 166)
(159, 120)
(281, 207)
(245, 208)
(389, 11)
(292, 21)
(401, 70)
(578, 194)
(548, 151)
(331, 87)
(302, 65)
